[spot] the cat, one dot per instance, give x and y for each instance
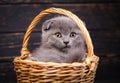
(62, 42)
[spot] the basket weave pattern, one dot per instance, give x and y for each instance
(48, 72)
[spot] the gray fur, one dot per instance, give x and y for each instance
(53, 48)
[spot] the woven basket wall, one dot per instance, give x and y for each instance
(49, 72)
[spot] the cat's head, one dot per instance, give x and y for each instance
(61, 33)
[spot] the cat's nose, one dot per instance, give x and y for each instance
(66, 42)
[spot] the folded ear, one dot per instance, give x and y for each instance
(47, 25)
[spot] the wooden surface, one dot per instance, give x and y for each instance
(102, 20)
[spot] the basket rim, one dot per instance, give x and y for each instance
(91, 65)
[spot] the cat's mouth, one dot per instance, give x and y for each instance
(66, 46)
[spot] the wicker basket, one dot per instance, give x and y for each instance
(49, 72)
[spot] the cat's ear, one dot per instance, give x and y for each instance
(47, 25)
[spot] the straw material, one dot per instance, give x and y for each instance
(49, 72)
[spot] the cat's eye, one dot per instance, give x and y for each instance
(58, 35)
(73, 34)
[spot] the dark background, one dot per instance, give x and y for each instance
(102, 18)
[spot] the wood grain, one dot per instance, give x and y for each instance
(57, 1)
(15, 18)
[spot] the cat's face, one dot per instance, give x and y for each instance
(61, 33)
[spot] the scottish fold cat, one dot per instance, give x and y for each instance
(62, 42)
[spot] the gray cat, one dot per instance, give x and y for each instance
(62, 42)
